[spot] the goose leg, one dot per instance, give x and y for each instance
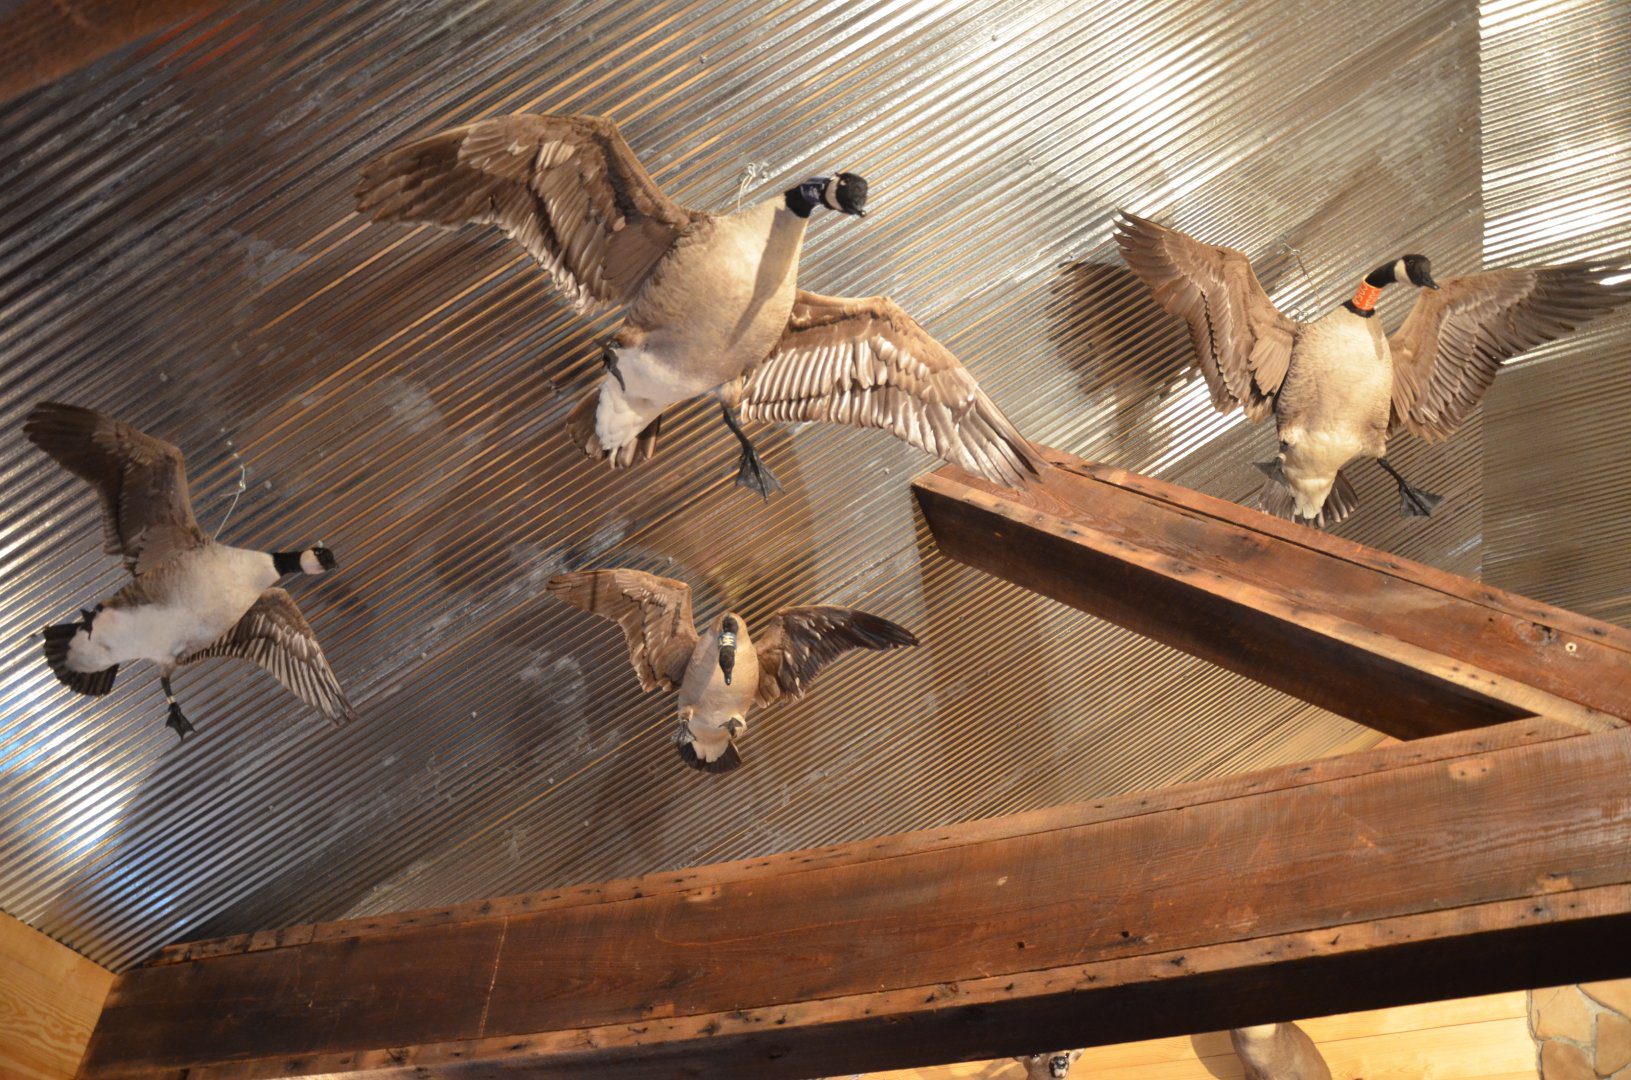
(1413, 501)
(751, 471)
(176, 720)
(608, 360)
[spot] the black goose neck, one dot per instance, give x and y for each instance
(802, 202)
(1381, 277)
(287, 562)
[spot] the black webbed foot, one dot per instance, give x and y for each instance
(1413, 501)
(753, 474)
(1273, 469)
(175, 721)
(751, 471)
(178, 722)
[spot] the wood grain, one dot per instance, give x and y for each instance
(1400, 647)
(1476, 861)
(50, 997)
(42, 40)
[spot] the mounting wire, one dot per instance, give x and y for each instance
(1296, 253)
(752, 173)
(243, 475)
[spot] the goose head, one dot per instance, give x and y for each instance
(1408, 269)
(845, 193)
(729, 628)
(314, 560)
(1054, 1066)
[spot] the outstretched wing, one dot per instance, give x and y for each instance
(276, 636)
(798, 642)
(1450, 347)
(147, 515)
(567, 188)
(867, 363)
(654, 612)
(1242, 342)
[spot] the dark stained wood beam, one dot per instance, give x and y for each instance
(43, 40)
(1398, 646)
(1463, 864)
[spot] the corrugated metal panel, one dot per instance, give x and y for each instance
(1557, 186)
(177, 246)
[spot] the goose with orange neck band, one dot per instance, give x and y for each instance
(1338, 386)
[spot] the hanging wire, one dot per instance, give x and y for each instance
(243, 476)
(1319, 305)
(752, 173)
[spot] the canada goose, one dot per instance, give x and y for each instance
(1278, 1052)
(191, 598)
(1337, 386)
(1050, 1066)
(712, 304)
(721, 673)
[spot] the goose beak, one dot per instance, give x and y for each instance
(727, 659)
(1430, 283)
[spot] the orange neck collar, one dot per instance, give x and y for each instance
(1365, 297)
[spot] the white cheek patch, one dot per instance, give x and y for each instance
(1401, 275)
(309, 563)
(829, 195)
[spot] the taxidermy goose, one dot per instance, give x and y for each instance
(1054, 1066)
(723, 672)
(1337, 386)
(1278, 1052)
(191, 598)
(711, 301)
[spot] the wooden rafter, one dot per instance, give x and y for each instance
(1461, 864)
(1393, 644)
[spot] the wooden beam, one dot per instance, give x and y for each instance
(1390, 643)
(43, 40)
(50, 997)
(1468, 863)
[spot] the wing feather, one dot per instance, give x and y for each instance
(147, 513)
(274, 634)
(798, 642)
(654, 612)
(866, 363)
(1449, 349)
(1242, 342)
(566, 188)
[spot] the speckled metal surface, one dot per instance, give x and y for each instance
(1557, 186)
(177, 246)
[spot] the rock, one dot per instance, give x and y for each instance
(1560, 1061)
(1562, 1012)
(1612, 1050)
(1615, 994)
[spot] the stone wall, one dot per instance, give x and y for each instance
(1583, 1032)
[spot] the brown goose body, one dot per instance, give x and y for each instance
(1338, 386)
(722, 673)
(712, 301)
(189, 598)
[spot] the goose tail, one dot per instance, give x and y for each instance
(59, 640)
(1275, 497)
(580, 428)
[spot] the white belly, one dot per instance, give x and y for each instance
(201, 602)
(653, 386)
(716, 307)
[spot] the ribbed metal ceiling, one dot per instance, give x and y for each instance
(177, 247)
(1557, 186)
